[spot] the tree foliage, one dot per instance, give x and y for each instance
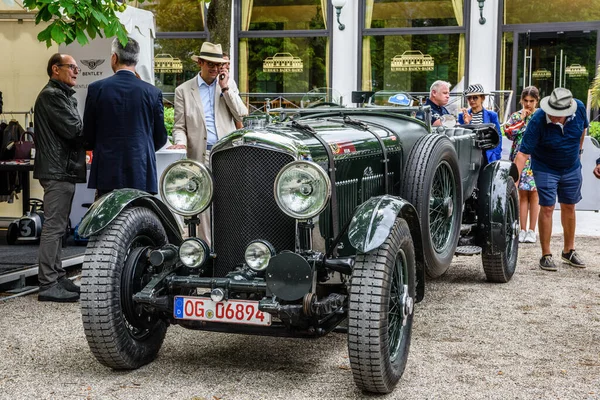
(83, 20)
(77, 20)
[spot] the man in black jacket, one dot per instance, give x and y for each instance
(59, 165)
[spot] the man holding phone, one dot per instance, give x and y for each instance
(206, 109)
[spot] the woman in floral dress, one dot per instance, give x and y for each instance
(513, 129)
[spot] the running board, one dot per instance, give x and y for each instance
(32, 270)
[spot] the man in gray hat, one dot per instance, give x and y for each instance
(206, 109)
(554, 139)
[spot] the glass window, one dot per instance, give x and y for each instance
(281, 15)
(520, 12)
(173, 64)
(176, 15)
(412, 62)
(550, 59)
(413, 14)
(283, 65)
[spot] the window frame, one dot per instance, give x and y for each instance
(438, 30)
(242, 34)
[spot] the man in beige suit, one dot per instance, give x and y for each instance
(206, 109)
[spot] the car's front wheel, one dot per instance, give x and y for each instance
(121, 335)
(380, 318)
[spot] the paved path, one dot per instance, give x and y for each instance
(536, 337)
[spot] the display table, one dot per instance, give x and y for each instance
(23, 167)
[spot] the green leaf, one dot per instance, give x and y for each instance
(45, 15)
(58, 35)
(45, 34)
(122, 34)
(92, 30)
(81, 38)
(98, 16)
(110, 30)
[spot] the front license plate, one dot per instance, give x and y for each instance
(231, 311)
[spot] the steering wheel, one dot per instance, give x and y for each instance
(36, 203)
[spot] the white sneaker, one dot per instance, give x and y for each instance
(522, 235)
(530, 237)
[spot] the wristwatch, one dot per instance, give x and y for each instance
(580, 151)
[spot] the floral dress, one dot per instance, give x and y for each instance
(513, 129)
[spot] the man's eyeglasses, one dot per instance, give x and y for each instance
(72, 67)
(212, 64)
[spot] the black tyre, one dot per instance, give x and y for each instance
(120, 334)
(431, 182)
(500, 266)
(380, 318)
(12, 233)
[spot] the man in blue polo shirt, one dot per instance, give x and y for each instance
(439, 95)
(554, 139)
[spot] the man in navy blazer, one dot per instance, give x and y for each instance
(123, 123)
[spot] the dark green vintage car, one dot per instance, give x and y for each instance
(336, 215)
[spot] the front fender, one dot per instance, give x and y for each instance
(109, 206)
(493, 183)
(373, 221)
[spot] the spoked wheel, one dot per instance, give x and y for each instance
(380, 318)
(120, 333)
(499, 266)
(431, 182)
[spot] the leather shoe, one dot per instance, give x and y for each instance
(69, 285)
(57, 293)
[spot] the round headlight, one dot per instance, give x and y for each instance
(258, 254)
(302, 189)
(193, 252)
(186, 187)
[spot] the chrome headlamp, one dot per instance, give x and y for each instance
(258, 254)
(302, 189)
(186, 187)
(193, 252)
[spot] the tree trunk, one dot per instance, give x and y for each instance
(218, 22)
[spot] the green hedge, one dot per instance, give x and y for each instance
(169, 119)
(594, 130)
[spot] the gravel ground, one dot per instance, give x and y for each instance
(536, 337)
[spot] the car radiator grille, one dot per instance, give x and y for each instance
(244, 208)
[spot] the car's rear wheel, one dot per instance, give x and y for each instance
(380, 317)
(431, 182)
(12, 233)
(121, 335)
(499, 266)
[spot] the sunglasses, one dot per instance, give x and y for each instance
(472, 98)
(72, 67)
